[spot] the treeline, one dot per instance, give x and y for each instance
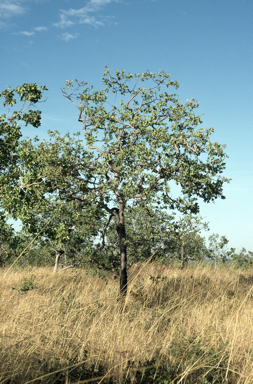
(172, 242)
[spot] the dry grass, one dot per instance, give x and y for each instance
(195, 326)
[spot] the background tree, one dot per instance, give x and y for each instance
(216, 249)
(8, 240)
(243, 259)
(145, 230)
(10, 134)
(40, 168)
(63, 235)
(135, 153)
(12, 244)
(186, 244)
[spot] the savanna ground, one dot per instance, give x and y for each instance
(179, 326)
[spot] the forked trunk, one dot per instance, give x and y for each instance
(57, 258)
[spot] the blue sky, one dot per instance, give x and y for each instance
(207, 45)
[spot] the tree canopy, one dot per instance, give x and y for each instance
(11, 184)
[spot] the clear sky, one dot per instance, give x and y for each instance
(207, 45)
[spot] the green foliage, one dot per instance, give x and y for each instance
(10, 130)
(26, 285)
(72, 224)
(185, 243)
(39, 256)
(7, 239)
(133, 154)
(12, 243)
(242, 260)
(10, 174)
(216, 249)
(148, 143)
(145, 230)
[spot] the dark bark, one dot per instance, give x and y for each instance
(120, 227)
(182, 256)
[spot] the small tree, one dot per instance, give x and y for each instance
(70, 228)
(216, 249)
(186, 243)
(135, 152)
(242, 260)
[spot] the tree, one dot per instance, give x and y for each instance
(12, 243)
(67, 228)
(216, 249)
(10, 133)
(64, 235)
(241, 260)
(186, 243)
(18, 195)
(135, 151)
(147, 144)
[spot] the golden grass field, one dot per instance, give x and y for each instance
(187, 326)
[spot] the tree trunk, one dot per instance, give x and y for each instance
(57, 257)
(182, 256)
(120, 227)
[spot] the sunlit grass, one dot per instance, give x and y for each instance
(194, 325)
